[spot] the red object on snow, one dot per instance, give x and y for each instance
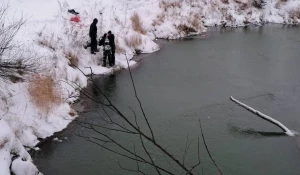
(75, 19)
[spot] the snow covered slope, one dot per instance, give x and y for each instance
(50, 34)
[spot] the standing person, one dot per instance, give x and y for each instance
(93, 36)
(111, 38)
(104, 41)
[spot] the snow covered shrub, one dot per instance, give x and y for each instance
(225, 1)
(258, 3)
(196, 22)
(183, 28)
(160, 19)
(137, 24)
(15, 61)
(73, 58)
(279, 3)
(133, 41)
(166, 4)
(294, 13)
(46, 43)
(119, 48)
(44, 92)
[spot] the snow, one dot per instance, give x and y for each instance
(264, 116)
(21, 167)
(10, 145)
(49, 34)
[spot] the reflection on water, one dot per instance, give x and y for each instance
(107, 85)
(249, 132)
(267, 96)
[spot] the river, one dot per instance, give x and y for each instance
(192, 79)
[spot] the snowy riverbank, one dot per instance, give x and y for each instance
(58, 42)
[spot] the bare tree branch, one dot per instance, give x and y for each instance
(138, 99)
(198, 156)
(136, 130)
(206, 147)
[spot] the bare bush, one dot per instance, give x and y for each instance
(44, 92)
(196, 22)
(165, 4)
(279, 3)
(119, 49)
(133, 41)
(186, 29)
(294, 13)
(72, 57)
(225, 1)
(193, 3)
(15, 62)
(258, 3)
(160, 19)
(137, 24)
(46, 43)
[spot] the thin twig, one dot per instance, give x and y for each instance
(138, 99)
(206, 147)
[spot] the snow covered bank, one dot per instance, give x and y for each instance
(50, 33)
(10, 146)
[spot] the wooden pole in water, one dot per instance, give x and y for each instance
(265, 117)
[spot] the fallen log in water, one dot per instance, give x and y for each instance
(265, 117)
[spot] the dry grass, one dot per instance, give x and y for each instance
(186, 29)
(46, 43)
(225, 1)
(133, 41)
(73, 58)
(258, 3)
(165, 4)
(193, 3)
(160, 19)
(119, 49)
(196, 22)
(279, 3)
(44, 93)
(294, 13)
(137, 24)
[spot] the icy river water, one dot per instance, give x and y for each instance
(191, 79)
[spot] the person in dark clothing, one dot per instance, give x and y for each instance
(107, 50)
(111, 38)
(93, 36)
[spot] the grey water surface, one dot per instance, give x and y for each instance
(193, 79)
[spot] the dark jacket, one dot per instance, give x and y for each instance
(101, 42)
(93, 29)
(111, 39)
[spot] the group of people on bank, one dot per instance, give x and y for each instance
(107, 41)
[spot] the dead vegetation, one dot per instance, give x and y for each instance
(46, 43)
(186, 29)
(44, 92)
(72, 57)
(119, 49)
(196, 21)
(165, 4)
(294, 13)
(160, 19)
(279, 3)
(137, 24)
(133, 41)
(225, 1)
(258, 3)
